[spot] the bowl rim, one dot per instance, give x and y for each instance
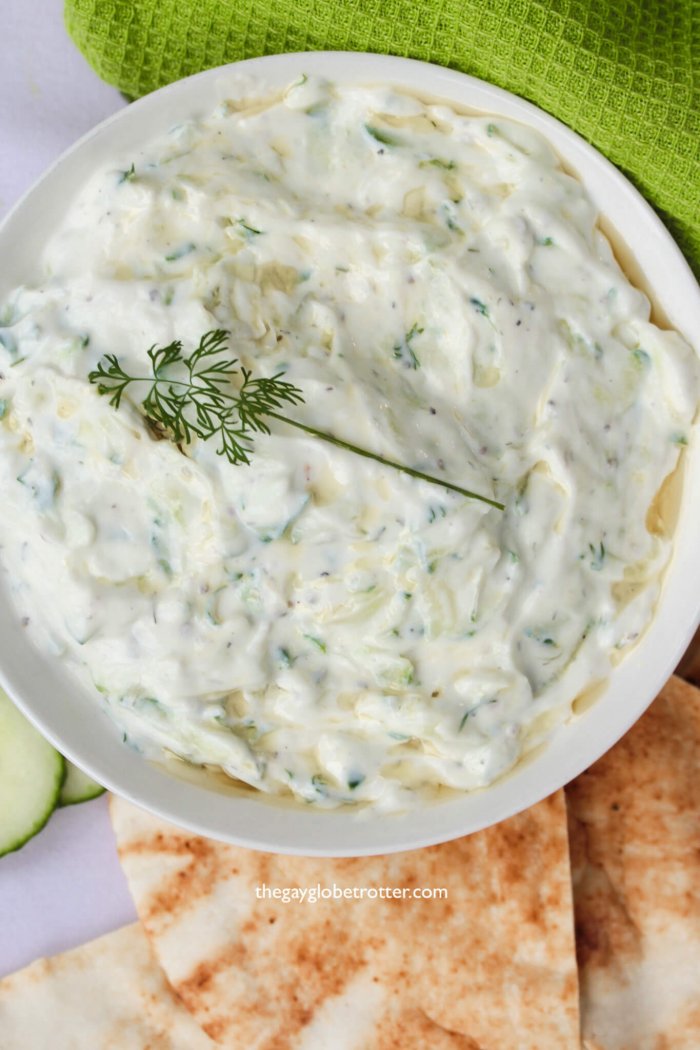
(79, 729)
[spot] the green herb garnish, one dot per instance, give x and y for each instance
(193, 396)
(127, 176)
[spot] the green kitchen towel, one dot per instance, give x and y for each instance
(623, 73)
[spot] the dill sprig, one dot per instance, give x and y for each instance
(195, 396)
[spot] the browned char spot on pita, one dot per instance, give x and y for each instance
(634, 826)
(413, 1029)
(204, 865)
(605, 930)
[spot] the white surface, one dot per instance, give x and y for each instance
(72, 719)
(65, 887)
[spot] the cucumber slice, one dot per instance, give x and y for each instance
(31, 776)
(78, 787)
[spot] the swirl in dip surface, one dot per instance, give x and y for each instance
(316, 623)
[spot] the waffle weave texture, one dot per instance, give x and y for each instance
(623, 73)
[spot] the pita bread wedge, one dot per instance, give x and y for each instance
(109, 994)
(491, 967)
(634, 822)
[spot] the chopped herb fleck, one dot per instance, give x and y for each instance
(641, 357)
(450, 220)
(355, 781)
(404, 352)
(546, 242)
(248, 230)
(437, 162)
(149, 702)
(491, 130)
(481, 308)
(380, 135)
(540, 635)
(677, 439)
(473, 710)
(185, 249)
(316, 641)
(598, 556)
(435, 512)
(127, 176)
(284, 658)
(249, 732)
(3, 408)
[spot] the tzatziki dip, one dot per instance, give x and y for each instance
(315, 623)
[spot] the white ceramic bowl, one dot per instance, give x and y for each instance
(75, 722)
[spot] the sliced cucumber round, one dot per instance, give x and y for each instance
(31, 777)
(78, 787)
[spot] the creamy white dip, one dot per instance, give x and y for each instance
(316, 623)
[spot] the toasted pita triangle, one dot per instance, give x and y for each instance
(492, 966)
(634, 820)
(109, 994)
